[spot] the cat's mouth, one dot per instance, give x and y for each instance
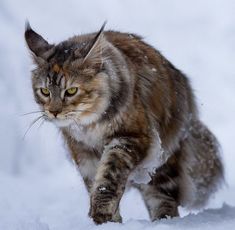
(59, 120)
(62, 122)
(78, 118)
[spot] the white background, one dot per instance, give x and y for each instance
(39, 186)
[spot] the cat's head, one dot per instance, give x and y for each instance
(70, 82)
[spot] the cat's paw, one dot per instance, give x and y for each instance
(100, 216)
(104, 209)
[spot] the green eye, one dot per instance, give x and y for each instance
(71, 91)
(45, 92)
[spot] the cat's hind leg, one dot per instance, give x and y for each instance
(158, 204)
(161, 195)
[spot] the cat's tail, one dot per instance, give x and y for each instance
(203, 171)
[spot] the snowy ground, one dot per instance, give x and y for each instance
(39, 187)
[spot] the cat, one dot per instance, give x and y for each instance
(129, 118)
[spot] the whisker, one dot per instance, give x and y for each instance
(31, 125)
(75, 122)
(24, 114)
(41, 124)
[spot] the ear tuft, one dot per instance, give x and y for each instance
(27, 25)
(36, 43)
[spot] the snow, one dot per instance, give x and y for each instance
(40, 188)
(156, 157)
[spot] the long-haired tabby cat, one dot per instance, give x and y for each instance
(129, 118)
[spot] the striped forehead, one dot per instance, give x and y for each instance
(56, 76)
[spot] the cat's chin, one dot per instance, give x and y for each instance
(61, 123)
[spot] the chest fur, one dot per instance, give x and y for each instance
(93, 138)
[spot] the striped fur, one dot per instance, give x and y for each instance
(133, 121)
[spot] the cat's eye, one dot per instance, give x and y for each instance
(71, 91)
(45, 92)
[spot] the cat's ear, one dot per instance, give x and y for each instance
(96, 45)
(37, 44)
(92, 52)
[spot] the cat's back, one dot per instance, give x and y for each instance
(134, 48)
(163, 89)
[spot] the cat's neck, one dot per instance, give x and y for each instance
(91, 135)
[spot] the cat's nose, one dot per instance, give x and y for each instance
(55, 112)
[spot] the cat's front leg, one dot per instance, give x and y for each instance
(120, 157)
